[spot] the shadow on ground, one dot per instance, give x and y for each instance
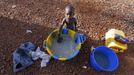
(13, 33)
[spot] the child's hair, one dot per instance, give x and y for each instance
(69, 10)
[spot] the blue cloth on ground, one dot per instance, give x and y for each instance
(21, 56)
(27, 46)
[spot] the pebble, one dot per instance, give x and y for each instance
(28, 31)
(11, 17)
(84, 67)
(57, 8)
(70, 71)
(96, 34)
(13, 6)
(9, 13)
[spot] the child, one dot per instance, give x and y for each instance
(68, 21)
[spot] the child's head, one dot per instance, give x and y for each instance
(69, 11)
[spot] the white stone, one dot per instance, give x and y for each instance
(28, 31)
(85, 67)
(13, 6)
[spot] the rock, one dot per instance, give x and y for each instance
(28, 31)
(9, 13)
(13, 6)
(70, 71)
(11, 17)
(84, 67)
(96, 34)
(57, 8)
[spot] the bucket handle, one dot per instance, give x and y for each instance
(44, 44)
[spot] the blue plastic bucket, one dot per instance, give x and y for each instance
(103, 59)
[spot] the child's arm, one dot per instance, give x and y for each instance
(75, 23)
(63, 21)
(60, 32)
(61, 27)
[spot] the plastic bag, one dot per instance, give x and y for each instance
(42, 55)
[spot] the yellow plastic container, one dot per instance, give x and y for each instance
(60, 54)
(112, 43)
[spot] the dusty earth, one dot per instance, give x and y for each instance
(94, 17)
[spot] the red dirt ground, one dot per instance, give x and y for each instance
(95, 17)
